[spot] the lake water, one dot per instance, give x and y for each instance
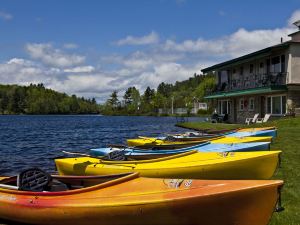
(33, 141)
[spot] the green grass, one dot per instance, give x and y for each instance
(288, 141)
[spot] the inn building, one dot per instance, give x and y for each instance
(265, 81)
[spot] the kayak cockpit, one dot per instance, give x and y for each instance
(36, 180)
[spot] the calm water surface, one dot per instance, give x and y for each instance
(33, 141)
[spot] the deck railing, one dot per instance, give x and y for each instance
(253, 81)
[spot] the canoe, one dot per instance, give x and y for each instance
(152, 143)
(131, 200)
(206, 147)
(192, 165)
(260, 133)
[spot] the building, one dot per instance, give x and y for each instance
(265, 81)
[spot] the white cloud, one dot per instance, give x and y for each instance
(52, 56)
(167, 61)
(70, 46)
(80, 69)
(5, 15)
(294, 17)
(240, 42)
(151, 38)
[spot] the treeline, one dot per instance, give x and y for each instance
(181, 94)
(36, 99)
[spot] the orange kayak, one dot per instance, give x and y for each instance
(130, 199)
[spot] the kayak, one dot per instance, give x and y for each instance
(256, 129)
(206, 147)
(193, 135)
(145, 142)
(153, 143)
(128, 199)
(225, 140)
(259, 133)
(192, 165)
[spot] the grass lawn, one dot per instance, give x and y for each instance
(288, 141)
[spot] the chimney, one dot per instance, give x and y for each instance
(281, 40)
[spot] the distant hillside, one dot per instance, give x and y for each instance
(36, 99)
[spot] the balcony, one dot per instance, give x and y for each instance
(252, 81)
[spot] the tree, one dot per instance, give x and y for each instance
(148, 95)
(113, 101)
(165, 89)
(206, 86)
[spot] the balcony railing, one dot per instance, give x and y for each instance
(253, 81)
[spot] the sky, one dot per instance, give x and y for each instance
(90, 48)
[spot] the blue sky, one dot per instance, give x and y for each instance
(90, 48)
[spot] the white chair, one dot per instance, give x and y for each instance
(263, 120)
(252, 120)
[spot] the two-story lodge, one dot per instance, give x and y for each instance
(265, 81)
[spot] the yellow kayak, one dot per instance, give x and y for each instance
(192, 165)
(256, 129)
(144, 141)
(151, 141)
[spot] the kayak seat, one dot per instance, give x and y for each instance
(33, 179)
(117, 155)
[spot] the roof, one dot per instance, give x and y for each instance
(253, 54)
(252, 91)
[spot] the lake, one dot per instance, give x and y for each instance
(34, 141)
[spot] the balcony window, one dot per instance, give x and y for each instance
(275, 65)
(251, 68)
(282, 63)
(276, 105)
(241, 70)
(261, 68)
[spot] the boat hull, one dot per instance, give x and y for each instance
(149, 201)
(192, 165)
(152, 143)
(260, 133)
(207, 147)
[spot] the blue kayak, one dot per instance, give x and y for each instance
(206, 147)
(261, 133)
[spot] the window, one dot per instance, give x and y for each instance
(251, 68)
(275, 65)
(261, 65)
(241, 104)
(241, 70)
(261, 68)
(276, 105)
(224, 106)
(282, 59)
(251, 104)
(233, 71)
